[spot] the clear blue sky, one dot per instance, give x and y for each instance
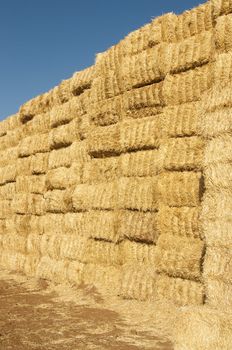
(45, 41)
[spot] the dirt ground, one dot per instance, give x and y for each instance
(37, 315)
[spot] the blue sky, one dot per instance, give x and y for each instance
(45, 41)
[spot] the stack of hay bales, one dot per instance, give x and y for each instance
(102, 178)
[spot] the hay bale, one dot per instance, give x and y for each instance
(137, 193)
(107, 86)
(137, 226)
(137, 282)
(212, 327)
(64, 113)
(14, 243)
(222, 75)
(82, 80)
(76, 223)
(217, 205)
(34, 144)
(33, 243)
(52, 269)
(223, 32)
(8, 156)
(195, 21)
(39, 163)
(75, 272)
(64, 135)
(104, 141)
(218, 150)
(179, 121)
(221, 7)
(62, 178)
(101, 170)
(101, 252)
(77, 152)
(31, 264)
(103, 225)
(135, 253)
(12, 261)
(40, 124)
(139, 134)
(106, 112)
(8, 174)
(104, 278)
(144, 97)
(23, 166)
(56, 201)
(218, 293)
(215, 178)
(217, 123)
(141, 163)
(50, 246)
(6, 209)
(13, 137)
(219, 96)
(182, 221)
(217, 232)
(99, 196)
(28, 203)
(187, 86)
(19, 224)
(7, 191)
(218, 263)
(31, 184)
(72, 247)
(185, 153)
(180, 189)
(178, 291)
(179, 256)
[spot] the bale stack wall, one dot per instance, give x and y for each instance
(113, 178)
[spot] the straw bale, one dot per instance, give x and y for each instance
(109, 60)
(137, 282)
(85, 126)
(217, 205)
(135, 253)
(31, 184)
(180, 189)
(137, 193)
(140, 98)
(222, 75)
(221, 7)
(179, 291)
(179, 256)
(203, 328)
(28, 203)
(218, 293)
(104, 278)
(218, 150)
(75, 272)
(184, 153)
(5, 208)
(218, 263)
(217, 123)
(37, 105)
(56, 201)
(106, 112)
(218, 232)
(30, 265)
(82, 80)
(13, 137)
(39, 163)
(64, 113)
(8, 156)
(101, 170)
(33, 243)
(76, 223)
(137, 226)
(101, 252)
(107, 86)
(73, 247)
(182, 221)
(13, 242)
(220, 96)
(99, 196)
(195, 21)
(218, 176)
(179, 121)
(223, 32)
(187, 86)
(12, 261)
(77, 152)
(62, 178)
(39, 124)
(52, 269)
(141, 163)
(103, 225)
(8, 174)
(64, 135)
(139, 134)
(50, 245)
(7, 191)
(2, 227)
(34, 144)
(23, 166)
(19, 224)
(104, 141)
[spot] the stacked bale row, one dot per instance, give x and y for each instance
(102, 177)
